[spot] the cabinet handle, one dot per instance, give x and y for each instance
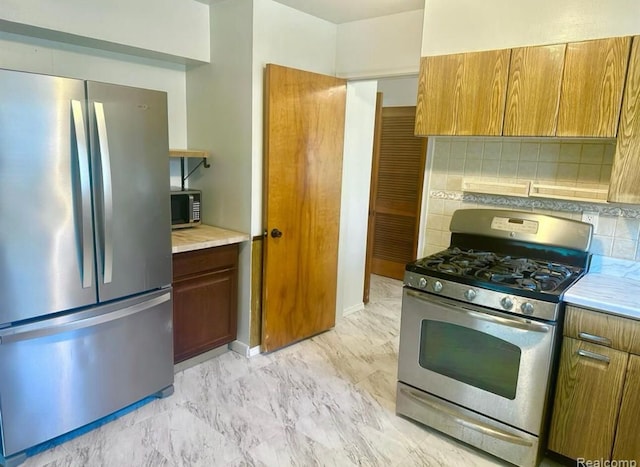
(595, 339)
(594, 356)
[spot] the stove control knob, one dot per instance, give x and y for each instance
(437, 286)
(470, 294)
(527, 308)
(422, 283)
(506, 303)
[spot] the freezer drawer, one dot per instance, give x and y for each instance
(61, 374)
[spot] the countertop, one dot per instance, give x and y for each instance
(611, 286)
(204, 236)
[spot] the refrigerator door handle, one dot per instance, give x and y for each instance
(27, 332)
(107, 194)
(85, 190)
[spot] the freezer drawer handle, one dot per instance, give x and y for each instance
(107, 193)
(22, 333)
(85, 192)
(463, 420)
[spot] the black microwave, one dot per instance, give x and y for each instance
(185, 208)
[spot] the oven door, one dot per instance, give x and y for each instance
(489, 362)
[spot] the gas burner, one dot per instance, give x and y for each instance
(451, 268)
(529, 284)
(510, 271)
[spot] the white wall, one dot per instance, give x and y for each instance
(384, 46)
(470, 25)
(288, 37)
(399, 92)
(356, 181)
(219, 117)
(173, 27)
(41, 56)
(219, 120)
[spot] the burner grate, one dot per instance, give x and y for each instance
(485, 266)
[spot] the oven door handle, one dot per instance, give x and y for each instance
(463, 420)
(517, 323)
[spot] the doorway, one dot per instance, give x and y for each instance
(396, 193)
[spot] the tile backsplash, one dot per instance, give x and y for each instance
(584, 163)
(567, 162)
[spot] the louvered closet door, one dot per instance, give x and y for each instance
(398, 172)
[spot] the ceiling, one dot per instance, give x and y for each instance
(343, 11)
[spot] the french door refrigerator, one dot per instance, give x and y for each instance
(85, 254)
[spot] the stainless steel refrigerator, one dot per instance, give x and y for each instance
(85, 254)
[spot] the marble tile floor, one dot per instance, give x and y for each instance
(326, 401)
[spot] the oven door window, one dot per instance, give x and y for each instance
(470, 356)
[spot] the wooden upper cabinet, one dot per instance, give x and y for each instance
(462, 94)
(533, 92)
(625, 176)
(592, 86)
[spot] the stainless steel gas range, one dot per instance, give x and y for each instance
(480, 328)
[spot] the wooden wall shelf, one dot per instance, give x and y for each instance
(533, 189)
(495, 187)
(570, 193)
(188, 153)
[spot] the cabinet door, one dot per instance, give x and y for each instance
(462, 94)
(587, 400)
(594, 75)
(627, 445)
(533, 93)
(204, 313)
(625, 177)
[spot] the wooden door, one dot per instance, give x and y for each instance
(396, 193)
(588, 392)
(533, 93)
(627, 445)
(594, 75)
(304, 134)
(625, 177)
(462, 94)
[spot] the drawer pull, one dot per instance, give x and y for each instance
(594, 356)
(595, 339)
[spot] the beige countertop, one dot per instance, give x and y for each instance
(204, 236)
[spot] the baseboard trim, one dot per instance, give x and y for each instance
(244, 349)
(353, 309)
(203, 357)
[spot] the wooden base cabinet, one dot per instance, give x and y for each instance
(597, 408)
(205, 285)
(627, 444)
(588, 395)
